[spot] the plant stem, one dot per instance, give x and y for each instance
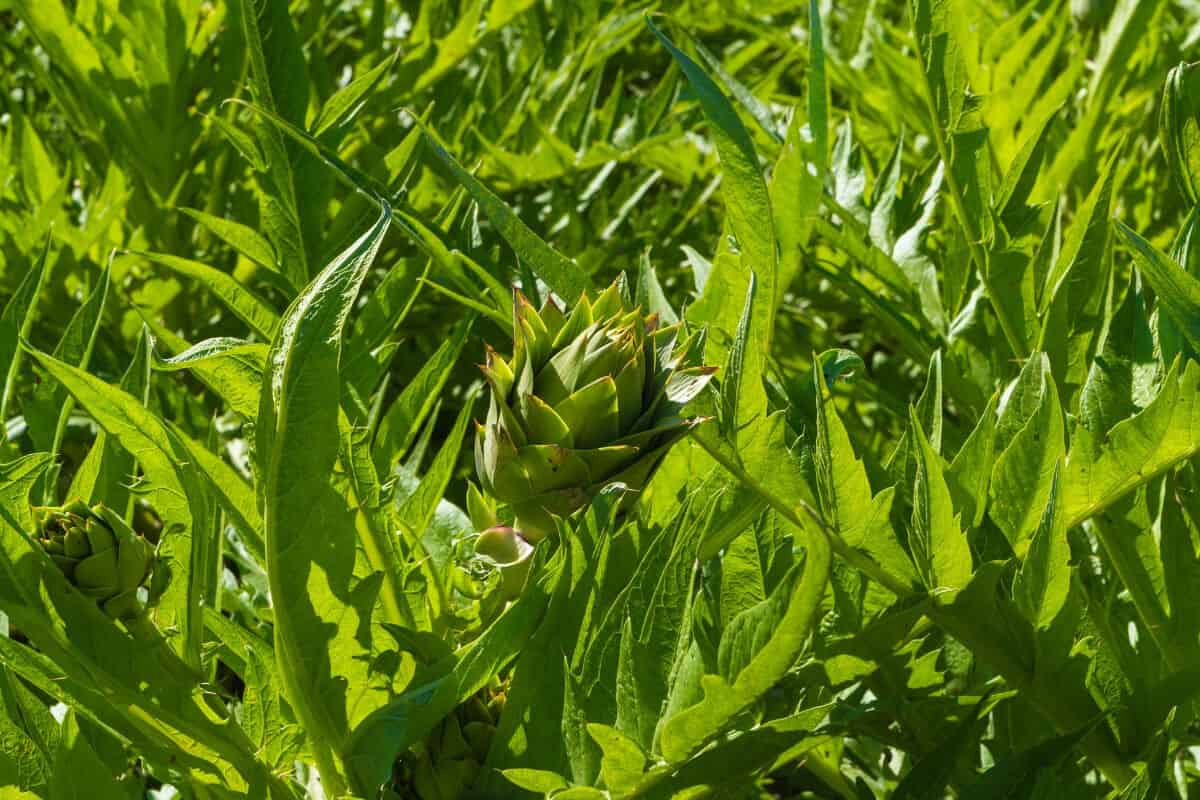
(1147, 607)
(972, 235)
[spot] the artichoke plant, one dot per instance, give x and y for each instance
(98, 552)
(587, 399)
(446, 764)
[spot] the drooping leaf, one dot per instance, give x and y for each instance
(176, 493)
(251, 310)
(107, 471)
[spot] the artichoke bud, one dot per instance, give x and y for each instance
(100, 539)
(75, 544)
(447, 762)
(508, 551)
(589, 398)
(474, 710)
(452, 744)
(479, 737)
(99, 554)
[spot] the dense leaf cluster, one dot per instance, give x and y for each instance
(932, 529)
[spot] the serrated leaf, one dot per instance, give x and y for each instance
(844, 489)
(939, 545)
(1029, 442)
(685, 732)
(1102, 469)
(970, 474)
(1044, 579)
(312, 559)
(230, 367)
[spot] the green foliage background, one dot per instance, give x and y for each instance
(939, 539)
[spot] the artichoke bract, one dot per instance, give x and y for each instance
(587, 399)
(98, 552)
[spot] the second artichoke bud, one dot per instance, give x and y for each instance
(98, 552)
(587, 399)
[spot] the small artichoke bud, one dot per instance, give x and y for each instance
(479, 736)
(99, 554)
(475, 710)
(587, 399)
(447, 762)
(506, 549)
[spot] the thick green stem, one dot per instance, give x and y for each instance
(831, 775)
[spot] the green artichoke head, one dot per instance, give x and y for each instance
(98, 552)
(587, 399)
(446, 764)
